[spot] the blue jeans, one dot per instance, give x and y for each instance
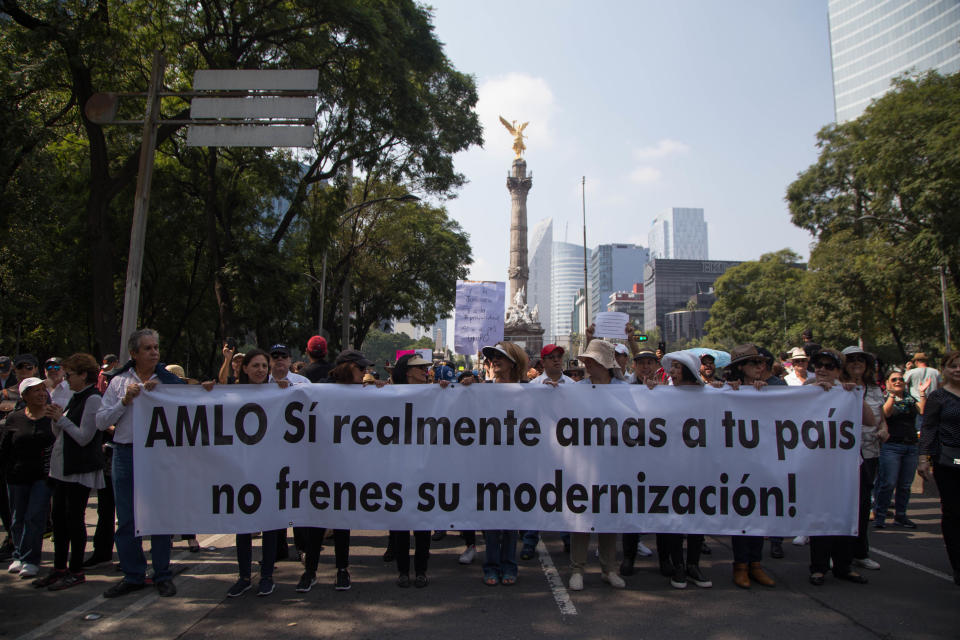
(129, 547)
(29, 505)
(501, 560)
(530, 538)
(898, 464)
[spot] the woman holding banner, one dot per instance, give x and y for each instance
(411, 369)
(684, 370)
(860, 368)
(827, 365)
(601, 365)
(508, 364)
(255, 369)
(748, 367)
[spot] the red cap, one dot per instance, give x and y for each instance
(317, 345)
(550, 348)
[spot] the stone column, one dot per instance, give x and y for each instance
(518, 183)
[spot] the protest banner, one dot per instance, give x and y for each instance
(478, 315)
(612, 458)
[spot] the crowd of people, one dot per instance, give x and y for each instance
(68, 430)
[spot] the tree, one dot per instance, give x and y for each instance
(759, 302)
(391, 106)
(892, 174)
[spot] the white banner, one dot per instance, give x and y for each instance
(613, 458)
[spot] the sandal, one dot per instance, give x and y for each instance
(508, 581)
(816, 579)
(491, 580)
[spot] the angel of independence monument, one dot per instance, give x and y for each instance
(521, 324)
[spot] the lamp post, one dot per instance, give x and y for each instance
(940, 269)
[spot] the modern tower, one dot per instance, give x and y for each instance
(873, 42)
(678, 234)
(566, 278)
(614, 267)
(539, 289)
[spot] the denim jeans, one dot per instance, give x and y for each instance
(898, 464)
(530, 538)
(129, 547)
(501, 560)
(29, 504)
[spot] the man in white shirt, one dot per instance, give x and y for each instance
(798, 371)
(622, 355)
(552, 358)
(280, 366)
(143, 373)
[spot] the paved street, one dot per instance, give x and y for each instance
(911, 596)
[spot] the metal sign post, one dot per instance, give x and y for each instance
(229, 108)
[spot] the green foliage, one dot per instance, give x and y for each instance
(231, 231)
(759, 302)
(381, 347)
(882, 199)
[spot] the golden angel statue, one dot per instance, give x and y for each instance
(517, 132)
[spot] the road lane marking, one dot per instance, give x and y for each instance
(911, 563)
(560, 594)
(137, 605)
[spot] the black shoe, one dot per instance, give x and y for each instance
(240, 587)
(403, 581)
(526, 552)
(420, 581)
(816, 579)
(704, 549)
(679, 577)
(626, 567)
(307, 580)
(438, 536)
(905, 522)
(343, 580)
(666, 567)
(776, 549)
(166, 589)
(696, 577)
(122, 588)
(49, 579)
(879, 524)
(96, 560)
(853, 577)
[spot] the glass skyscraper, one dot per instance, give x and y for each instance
(567, 277)
(679, 233)
(872, 42)
(614, 267)
(539, 263)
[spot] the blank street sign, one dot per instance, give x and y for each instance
(253, 80)
(250, 136)
(253, 107)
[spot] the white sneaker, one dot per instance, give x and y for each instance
(15, 566)
(613, 580)
(867, 563)
(643, 550)
(576, 582)
(467, 556)
(801, 540)
(29, 570)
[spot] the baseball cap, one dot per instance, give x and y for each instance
(26, 383)
(280, 349)
(317, 345)
(550, 348)
(621, 349)
(352, 355)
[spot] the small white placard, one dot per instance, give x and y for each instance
(610, 324)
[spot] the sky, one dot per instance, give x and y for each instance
(712, 104)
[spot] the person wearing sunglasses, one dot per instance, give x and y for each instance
(748, 367)
(827, 365)
(860, 368)
(56, 382)
(898, 455)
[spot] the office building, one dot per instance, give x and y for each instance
(539, 291)
(679, 286)
(629, 302)
(614, 267)
(678, 234)
(873, 42)
(566, 278)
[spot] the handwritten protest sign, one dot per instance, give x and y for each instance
(610, 324)
(583, 457)
(478, 315)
